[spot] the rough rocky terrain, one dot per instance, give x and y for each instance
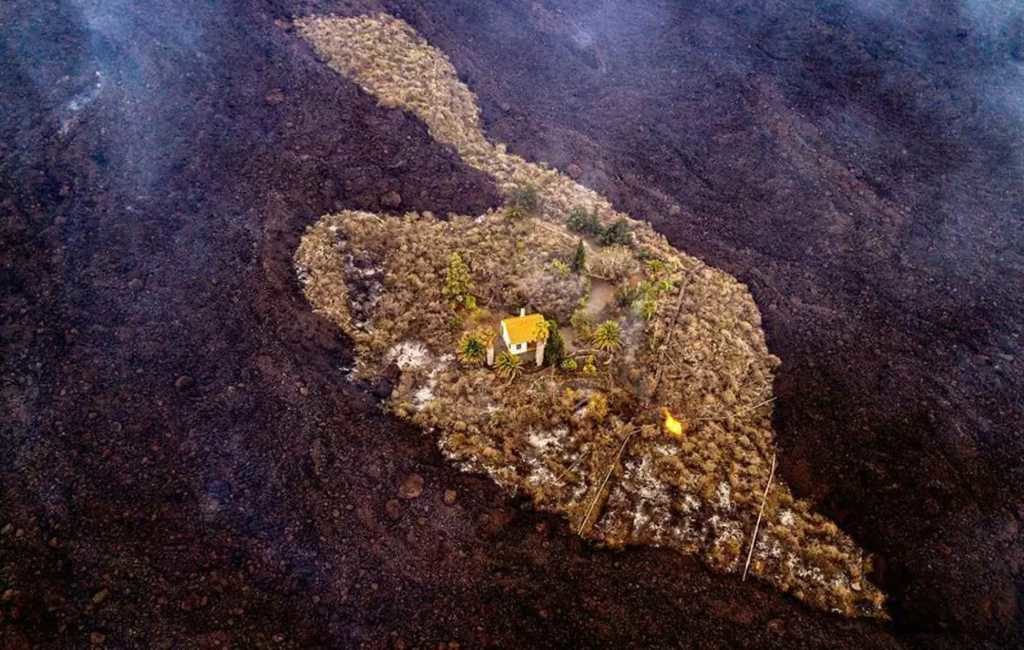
(183, 462)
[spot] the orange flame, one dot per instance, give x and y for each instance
(672, 425)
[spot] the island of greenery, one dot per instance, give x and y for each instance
(648, 419)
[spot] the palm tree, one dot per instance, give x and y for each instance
(608, 336)
(472, 348)
(542, 331)
(508, 365)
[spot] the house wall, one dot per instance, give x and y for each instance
(514, 349)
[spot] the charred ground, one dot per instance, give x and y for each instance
(183, 460)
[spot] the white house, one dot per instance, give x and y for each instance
(521, 331)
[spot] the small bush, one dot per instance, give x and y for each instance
(584, 222)
(597, 407)
(617, 233)
(581, 324)
(613, 263)
(524, 201)
(568, 364)
(589, 366)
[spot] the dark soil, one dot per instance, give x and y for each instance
(184, 463)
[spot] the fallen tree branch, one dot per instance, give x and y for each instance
(597, 497)
(737, 413)
(757, 526)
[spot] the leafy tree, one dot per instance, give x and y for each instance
(473, 348)
(458, 285)
(508, 365)
(617, 233)
(579, 259)
(608, 336)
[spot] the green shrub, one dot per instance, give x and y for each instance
(524, 201)
(560, 267)
(597, 407)
(584, 222)
(589, 366)
(581, 323)
(617, 233)
(569, 364)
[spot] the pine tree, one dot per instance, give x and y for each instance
(554, 349)
(579, 260)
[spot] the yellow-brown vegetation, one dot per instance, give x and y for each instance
(584, 438)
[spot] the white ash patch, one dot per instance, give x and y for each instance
(786, 517)
(425, 394)
(539, 474)
(688, 504)
(543, 445)
(422, 397)
(652, 514)
(409, 355)
(542, 440)
(724, 531)
(767, 547)
(724, 496)
(665, 449)
(807, 573)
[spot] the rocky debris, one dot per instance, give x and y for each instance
(97, 638)
(393, 508)
(100, 596)
(450, 496)
(391, 200)
(574, 171)
(184, 382)
(274, 97)
(412, 487)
